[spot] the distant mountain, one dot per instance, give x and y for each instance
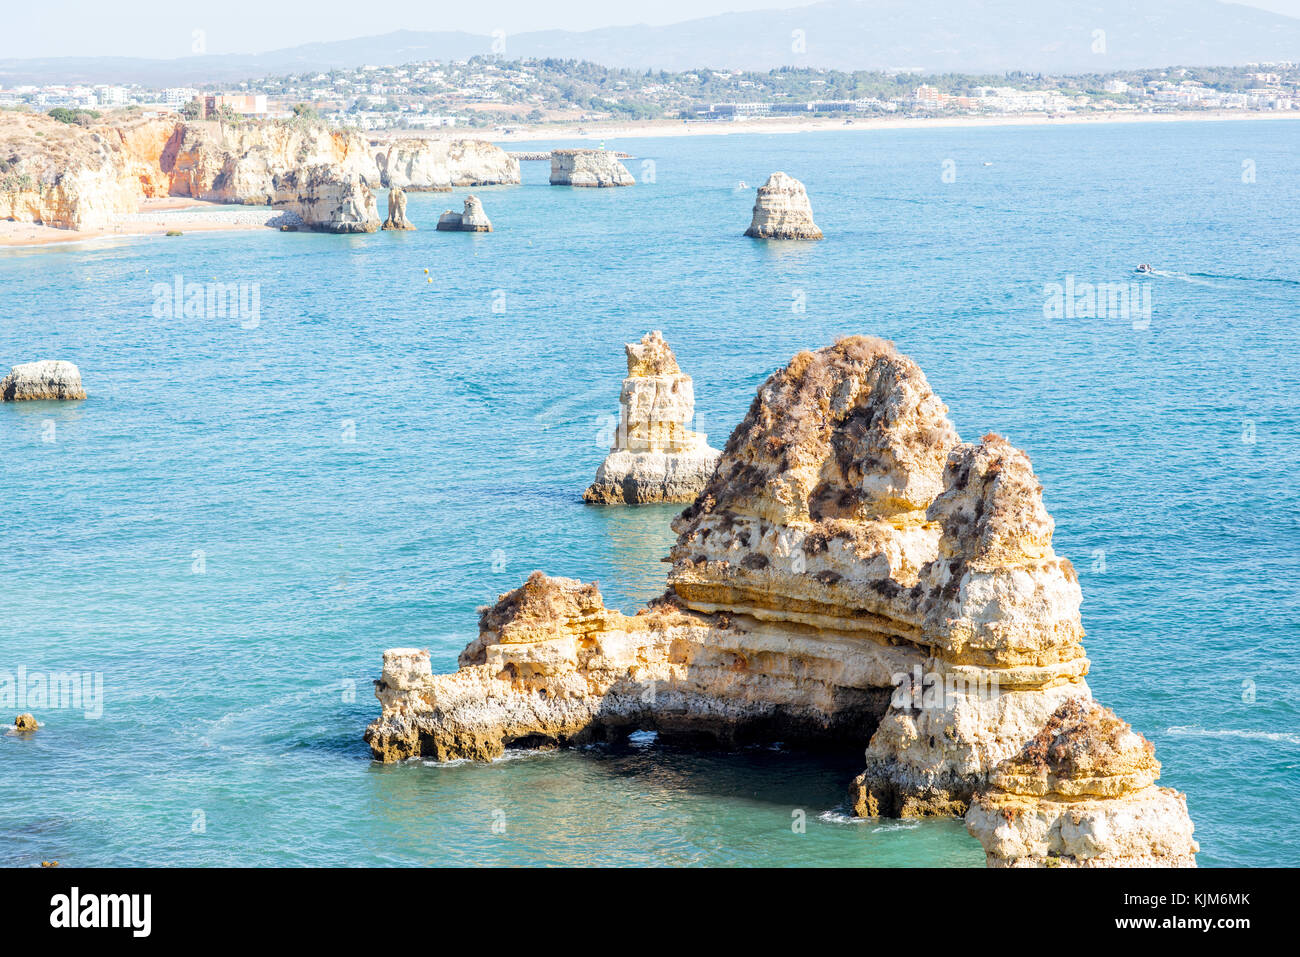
(932, 36)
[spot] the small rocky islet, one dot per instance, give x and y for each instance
(45, 379)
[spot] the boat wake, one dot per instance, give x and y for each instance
(1190, 732)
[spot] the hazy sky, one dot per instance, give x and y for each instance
(164, 28)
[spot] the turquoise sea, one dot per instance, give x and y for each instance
(244, 515)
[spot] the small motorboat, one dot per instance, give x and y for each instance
(1144, 268)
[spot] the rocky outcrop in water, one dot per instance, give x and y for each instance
(397, 211)
(588, 168)
(47, 379)
(852, 574)
(655, 457)
(328, 201)
(782, 211)
(1082, 793)
(472, 220)
(436, 164)
(25, 723)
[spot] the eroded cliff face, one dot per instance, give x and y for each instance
(437, 164)
(239, 163)
(85, 178)
(852, 574)
(327, 200)
(656, 457)
(74, 177)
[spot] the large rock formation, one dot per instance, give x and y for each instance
(655, 457)
(472, 220)
(782, 211)
(851, 574)
(47, 379)
(435, 164)
(77, 177)
(73, 177)
(327, 200)
(241, 162)
(26, 723)
(397, 211)
(1082, 793)
(588, 168)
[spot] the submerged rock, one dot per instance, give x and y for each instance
(782, 211)
(472, 220)
(25, 722)
(397, 211)
(328, 200)
(655, 457)
(588, 168)
(47, 379)
(852, 574)
(1081, 793)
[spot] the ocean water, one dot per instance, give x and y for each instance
(244, 515)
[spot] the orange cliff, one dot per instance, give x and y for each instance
(86, 177)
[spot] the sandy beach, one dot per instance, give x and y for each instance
(771, 125)
(155, 217)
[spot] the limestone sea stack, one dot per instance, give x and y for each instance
(782, 211)
(47, 379)
(397, 211)
(655, 457)
(1082, 793)
(328, 200)
(471, 220)
(438, 164)
(588, 168)
(25, 723)
(851, 575)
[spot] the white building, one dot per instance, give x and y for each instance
(179, 95)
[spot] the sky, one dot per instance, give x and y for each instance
(164, 29)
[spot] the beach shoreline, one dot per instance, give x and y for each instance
(155, 217)
(656, 128)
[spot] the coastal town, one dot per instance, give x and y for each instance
(492, 94)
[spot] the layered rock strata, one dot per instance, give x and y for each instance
(76, 177)
(471, 220)
(1082, 793)
(47, 379)
(436, 164)
(851, 574)
(242, 162)
(655, 457)
(72, 177)
(397, 211)
(588, 168)
(327, 200)
(782, 211)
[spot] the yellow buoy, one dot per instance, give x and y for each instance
(430, 279)
(426, 272)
